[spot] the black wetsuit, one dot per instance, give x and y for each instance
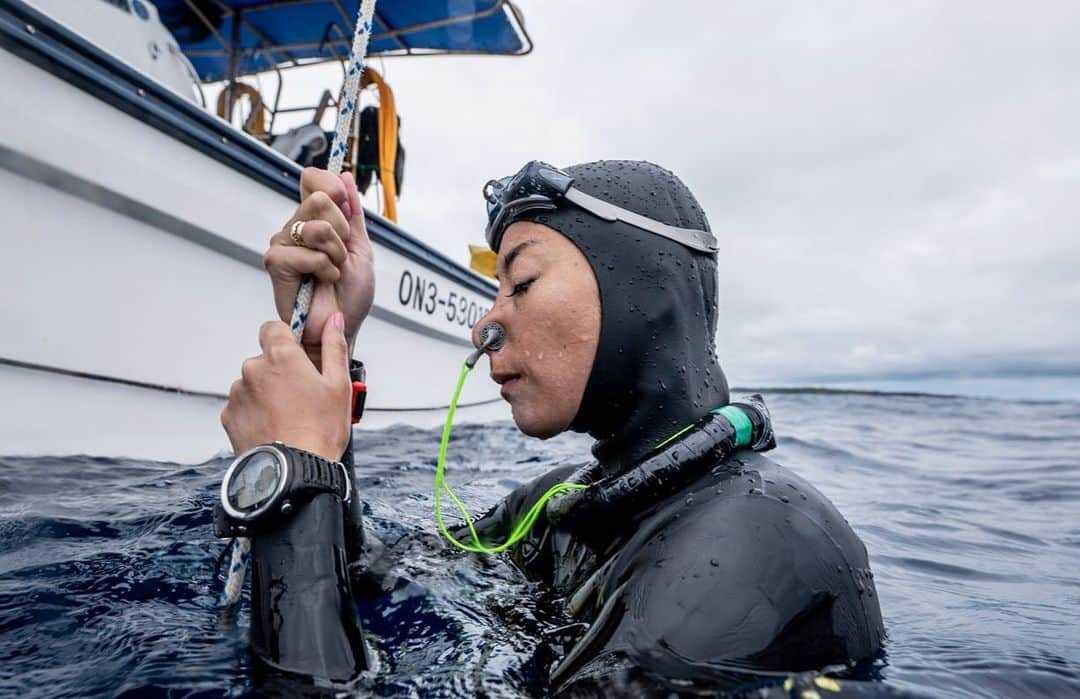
(733, 567)
(747, 569)
(744, 568)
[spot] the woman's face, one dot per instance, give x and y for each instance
(549, 304)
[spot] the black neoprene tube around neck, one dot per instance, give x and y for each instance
(596, 512)
(303, 618)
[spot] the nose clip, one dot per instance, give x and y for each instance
(492, 337)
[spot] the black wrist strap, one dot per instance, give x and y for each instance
(315, 474)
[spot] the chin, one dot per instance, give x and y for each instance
(534, 425)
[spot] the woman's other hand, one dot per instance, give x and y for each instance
(336, 251)
(282, 397)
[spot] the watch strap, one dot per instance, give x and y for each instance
(315, 474)
(224, 526)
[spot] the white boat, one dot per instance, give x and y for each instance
(132, 278)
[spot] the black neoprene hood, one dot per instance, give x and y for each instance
(655, 370)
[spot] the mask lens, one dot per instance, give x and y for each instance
(254, 482)
(527, 190)
(494, 191)
(510, 213)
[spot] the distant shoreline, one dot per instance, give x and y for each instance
(1026, 389)
(826, 390)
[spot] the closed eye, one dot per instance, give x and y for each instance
(522, 287)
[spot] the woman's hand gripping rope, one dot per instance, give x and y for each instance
(307, 299)
(336, 251)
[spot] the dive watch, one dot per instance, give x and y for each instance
(266, 483)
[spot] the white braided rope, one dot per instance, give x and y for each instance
(237, 570)
(350, 93)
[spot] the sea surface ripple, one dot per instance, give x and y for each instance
(970, 509)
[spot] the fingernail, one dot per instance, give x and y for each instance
(339, 322)
(346, 208)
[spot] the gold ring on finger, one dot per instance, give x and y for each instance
(297, 233)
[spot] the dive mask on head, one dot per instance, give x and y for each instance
(539, 186)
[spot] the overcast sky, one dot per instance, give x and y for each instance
(895, 186)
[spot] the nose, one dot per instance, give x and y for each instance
(493, 316)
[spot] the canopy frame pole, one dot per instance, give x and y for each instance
(397, 39)
(207, 23)
(345, 15)
(277, 100)
(241, 17)
(330, 45)
(234, 63)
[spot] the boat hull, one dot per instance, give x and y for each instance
(134, 285)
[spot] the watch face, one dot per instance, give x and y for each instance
(254, 482)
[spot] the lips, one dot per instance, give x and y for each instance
(507, 380)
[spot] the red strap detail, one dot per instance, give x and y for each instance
(359, 395)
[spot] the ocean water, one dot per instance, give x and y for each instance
(970, 509)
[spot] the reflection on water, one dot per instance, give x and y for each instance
(969, 509)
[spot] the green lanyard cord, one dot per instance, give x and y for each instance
(519, 530)
(736, 416)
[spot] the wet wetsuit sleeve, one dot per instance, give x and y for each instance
(750, 583)
(303, 620)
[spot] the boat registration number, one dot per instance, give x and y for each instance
(424, 295)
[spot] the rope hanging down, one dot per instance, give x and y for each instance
(346, 110)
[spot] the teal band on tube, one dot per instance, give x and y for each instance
(740, 421)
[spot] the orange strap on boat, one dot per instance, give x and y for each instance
(388, 140)
(256, 122)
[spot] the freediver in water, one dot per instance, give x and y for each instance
(689, 558)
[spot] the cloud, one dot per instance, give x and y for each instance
(894, 186)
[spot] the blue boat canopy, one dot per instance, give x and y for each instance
(224, 38)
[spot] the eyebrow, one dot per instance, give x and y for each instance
(506, 262)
